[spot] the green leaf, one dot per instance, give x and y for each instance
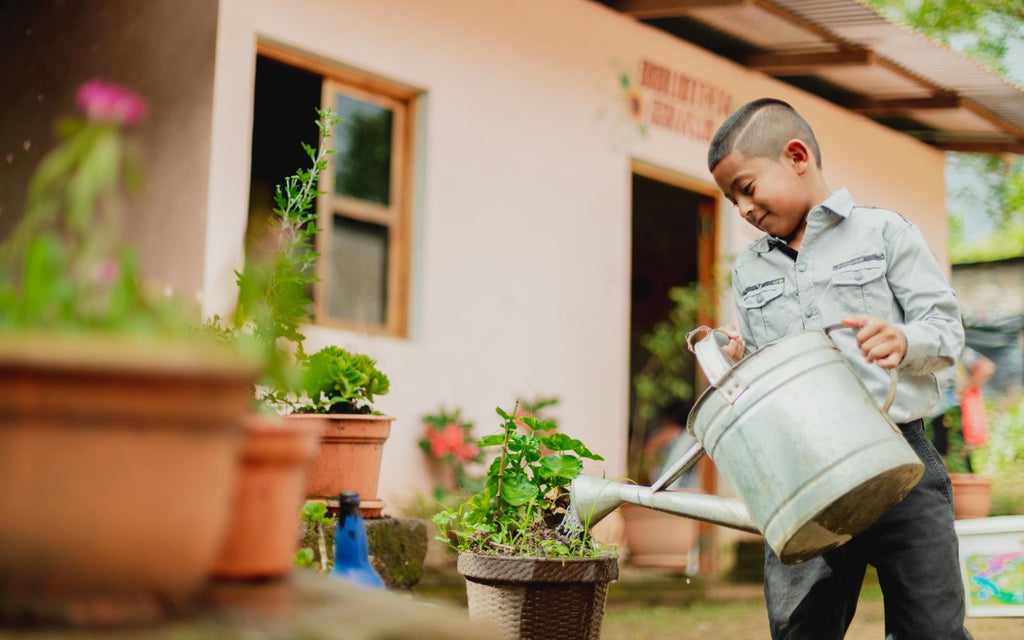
(518, 490)
(493, 440)
(537, 424)
(561, 466)
(562, 442)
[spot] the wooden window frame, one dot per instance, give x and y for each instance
(395, 217)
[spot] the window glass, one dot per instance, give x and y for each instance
(362, 164)
(358, 271)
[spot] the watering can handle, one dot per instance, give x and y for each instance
(892, 372)
(712, 359)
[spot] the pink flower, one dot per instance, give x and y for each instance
(102, 100)
(105, 271)
(465, 452)
(452, 436)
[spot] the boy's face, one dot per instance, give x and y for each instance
(768, 193)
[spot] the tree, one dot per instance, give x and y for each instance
(992, 186)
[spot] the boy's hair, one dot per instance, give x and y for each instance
(761, 129)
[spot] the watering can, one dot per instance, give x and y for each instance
(813, 458)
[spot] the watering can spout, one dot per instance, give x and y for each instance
(592, 499)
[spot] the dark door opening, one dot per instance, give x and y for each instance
(670, 248)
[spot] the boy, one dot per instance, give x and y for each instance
(822, 261)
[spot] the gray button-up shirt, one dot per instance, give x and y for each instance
(855, 260)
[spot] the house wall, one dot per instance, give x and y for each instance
(521, 239)
(161, 49)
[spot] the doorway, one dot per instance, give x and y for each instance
(672, 246)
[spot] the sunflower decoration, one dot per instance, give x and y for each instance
(635, 102)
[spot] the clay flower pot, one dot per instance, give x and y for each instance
(351, 447)
(658, 539)
(117, 463)
(268, 495)
(972, 495)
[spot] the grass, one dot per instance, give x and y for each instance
(743, 617)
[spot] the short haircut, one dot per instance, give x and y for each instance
(761, 129)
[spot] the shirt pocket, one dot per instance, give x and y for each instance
(764, 306)
(860, 287)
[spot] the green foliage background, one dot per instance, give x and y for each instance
(992, 32)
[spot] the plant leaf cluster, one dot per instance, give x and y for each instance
(66, 265)
(664, 379)
(338, 381)
(273, 288)
(274, 300)
(524, 496)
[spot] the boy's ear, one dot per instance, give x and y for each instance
(797, 154)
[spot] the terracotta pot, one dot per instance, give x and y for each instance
(117, 461)
(442, 474)
(972, 495)
(658, 539)
(539, 598)
(269, 492)
(351, 447)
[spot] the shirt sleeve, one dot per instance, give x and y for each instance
(931, 313)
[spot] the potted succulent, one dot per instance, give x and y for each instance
(338, 390)
(521, 572)
(120, 425)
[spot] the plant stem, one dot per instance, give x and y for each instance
(504, 454)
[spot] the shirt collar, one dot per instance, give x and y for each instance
(839, 203)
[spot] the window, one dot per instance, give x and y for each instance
(364, 212)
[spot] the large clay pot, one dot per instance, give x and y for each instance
(539, 598)
(658, 539)
(351, 447)
(116, 462)
(972, 495)
(269, 492)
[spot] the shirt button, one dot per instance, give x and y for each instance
(857, 276)
(809, 312)
(801, 266)
(759, 298)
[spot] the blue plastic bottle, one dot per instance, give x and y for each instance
(351, 554)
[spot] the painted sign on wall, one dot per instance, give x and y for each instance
(663, 98)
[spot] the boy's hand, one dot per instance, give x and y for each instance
(879, 341)
(736, 346)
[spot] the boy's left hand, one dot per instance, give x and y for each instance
(879, 341)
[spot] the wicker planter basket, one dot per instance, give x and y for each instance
(539, 598)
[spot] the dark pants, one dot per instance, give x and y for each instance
(914, 549)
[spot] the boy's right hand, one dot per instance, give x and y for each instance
(736, 347)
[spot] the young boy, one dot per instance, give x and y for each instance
(825, 260)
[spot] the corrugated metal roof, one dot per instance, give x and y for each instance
(844, 51)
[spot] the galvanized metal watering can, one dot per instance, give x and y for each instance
(813, 458)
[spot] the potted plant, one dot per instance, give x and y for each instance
(663, 394)
(273, 301)
(330, 391)
(521, 572)
(338, 390)
(119, 425)
(447, 440)
(972, 492)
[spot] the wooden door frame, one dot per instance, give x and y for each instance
(708, 210)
